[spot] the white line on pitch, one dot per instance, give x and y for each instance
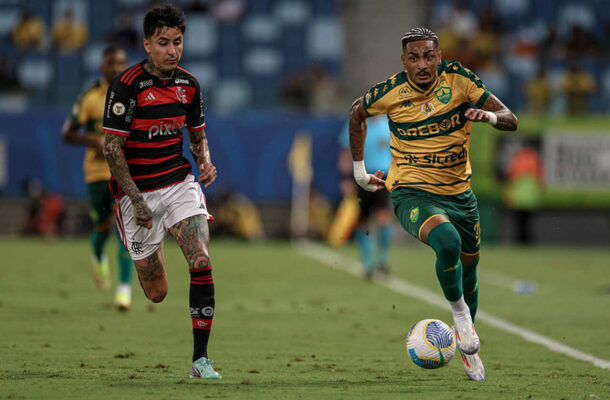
(336, 260)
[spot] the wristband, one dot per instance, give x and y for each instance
(362, 178)
(493, 118)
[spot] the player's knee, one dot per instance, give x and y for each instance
(469, 259)
(450, 248)
(156, 295)
(445, 241)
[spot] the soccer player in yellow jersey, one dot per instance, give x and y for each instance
(84, 127)
(430, 108)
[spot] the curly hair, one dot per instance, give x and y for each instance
(161, 16)
(416, 34)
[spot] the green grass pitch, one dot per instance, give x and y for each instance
(288, 327)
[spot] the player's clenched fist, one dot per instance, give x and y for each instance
(143, 214)
(208, 174)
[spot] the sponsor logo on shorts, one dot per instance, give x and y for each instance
(477, 233)
(414, 214)
(136, 247)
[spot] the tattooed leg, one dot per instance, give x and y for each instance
(152, 277)
(193, 237)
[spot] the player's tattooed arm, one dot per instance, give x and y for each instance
(201, 154)
(357, 130)
(506, 120)
(113, 151)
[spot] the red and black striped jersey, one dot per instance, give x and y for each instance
(151, 113)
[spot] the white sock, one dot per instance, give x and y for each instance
(460, 309)
(124, 288)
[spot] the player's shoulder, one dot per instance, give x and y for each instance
(89, 91)
(90, 88)
(456, 69)
(130, 76)
(183, 77)
(382, 88)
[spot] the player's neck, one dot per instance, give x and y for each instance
(426, 87)
(150, 67)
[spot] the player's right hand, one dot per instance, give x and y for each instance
(375, 182)
(143, 214)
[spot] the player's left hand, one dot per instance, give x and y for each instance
(375, 182)
(208, 174)
(476, 115)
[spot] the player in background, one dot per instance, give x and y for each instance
(147, 108)
(375, 230)
(430, 106)
(84, 127)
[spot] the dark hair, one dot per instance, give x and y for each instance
(416, 34)
(160, 16)
(111, 49)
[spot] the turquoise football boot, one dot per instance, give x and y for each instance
(202, 368)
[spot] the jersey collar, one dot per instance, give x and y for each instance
(427, 92)
(164, 82)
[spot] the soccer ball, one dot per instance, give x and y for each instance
(430, 344)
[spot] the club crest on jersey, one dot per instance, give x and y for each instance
(181, 94)
(427, 108)
(443, 94)
(118, 108)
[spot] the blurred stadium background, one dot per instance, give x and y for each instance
(275, 70)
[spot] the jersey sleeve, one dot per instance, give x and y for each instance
(476, 91)
(195, 119)
(379, 99)
(120, 103)
(374, 102)
(77, 117)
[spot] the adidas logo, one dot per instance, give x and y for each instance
(150, 97)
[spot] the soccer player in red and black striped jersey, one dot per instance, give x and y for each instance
(147, 108)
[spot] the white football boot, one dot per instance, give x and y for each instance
(467, 339)
(473, 366)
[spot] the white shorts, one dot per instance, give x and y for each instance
(169, 206)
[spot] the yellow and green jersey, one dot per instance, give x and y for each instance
(88, 112)
(430, 137)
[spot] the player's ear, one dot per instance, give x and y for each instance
(146, 45)
(403, 58)
(440, 57)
